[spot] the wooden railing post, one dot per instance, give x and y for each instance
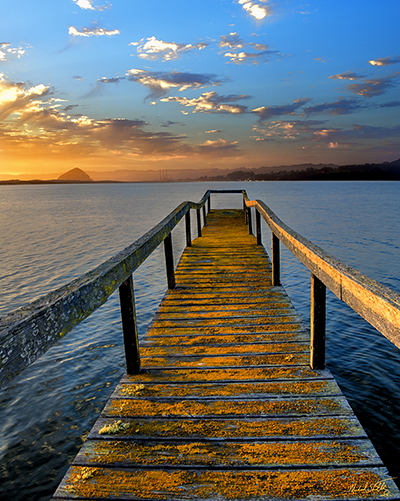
(258, 228)
(198, 222)
(188, 229)
(209, 204)
(169, 261)
(245, 211)
(276, 261)
(129, 326)
(318, 322)
(204, 215)
(250, 221)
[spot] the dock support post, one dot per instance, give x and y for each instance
(250, 221)
(204, 215)
(129, 326)
(188, 229)
(276, 261)
(198, 222)
(258, 228)
(245, 211)
(209, 204)
(318, 322)
(169, 261)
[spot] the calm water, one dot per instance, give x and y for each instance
(52, 234)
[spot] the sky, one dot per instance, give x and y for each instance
(225, 84)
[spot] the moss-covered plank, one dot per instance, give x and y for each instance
(227, 374)
(193, 340)
(82, 482)
(220, 390)
(223, 321)
(225, 349)
(167, 314)
(216, 329)
(253, 454)
(306, 406)
(332, 427)
(226, 361)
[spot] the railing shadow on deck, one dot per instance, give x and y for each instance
(28, 332)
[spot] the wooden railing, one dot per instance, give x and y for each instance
(377, 304)
(28, 332)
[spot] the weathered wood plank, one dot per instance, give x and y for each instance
(332, 427)
(250, 390)
(287, 358)
(226, 349)
(216, 340)
(181, 485)
(227, 374)
(271, 455)
(228, 407)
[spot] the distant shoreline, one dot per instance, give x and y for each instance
(55, 181)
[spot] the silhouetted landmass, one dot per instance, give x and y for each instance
(387, 171)
(75, 175)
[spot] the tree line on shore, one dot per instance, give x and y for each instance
(368, 172)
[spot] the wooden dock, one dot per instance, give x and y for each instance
(226, 406)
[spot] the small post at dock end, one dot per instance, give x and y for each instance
(250, 220)
(318, 323)
(204, 215)
(188, 229)
(258, 228)
(129, 326)
(198, 222)
(276, 261)
(169, 261)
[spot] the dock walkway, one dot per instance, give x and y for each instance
(226, 406)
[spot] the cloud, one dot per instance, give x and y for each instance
(90, 32)
(218, 145)
(286, 129)
(340, 107)
(256, 10)
(115, 80)
(250, 57)
(349, 75)
(7, 52)
(18, 97)
(214, 131)
(385, 61)
(159, 82)
(390, 104)
(233, 41)
(211, 102)
(88, 5)
(374, 87)
(154, 49)
(267, 112)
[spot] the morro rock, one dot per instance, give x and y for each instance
(75, 175)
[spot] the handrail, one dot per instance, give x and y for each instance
(376, 303)
(27, 333)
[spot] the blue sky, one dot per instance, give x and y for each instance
(223, 83)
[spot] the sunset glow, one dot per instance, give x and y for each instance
(105, 86)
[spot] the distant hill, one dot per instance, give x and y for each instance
(75, 175)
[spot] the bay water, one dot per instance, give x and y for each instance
(52, 234)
